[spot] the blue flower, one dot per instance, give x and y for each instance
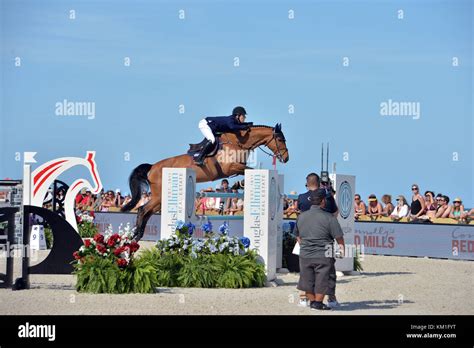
(245, 241)
(179, 224)
(207, 227)
(191, 227)
(224, 228)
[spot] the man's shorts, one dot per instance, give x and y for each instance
(315, 274)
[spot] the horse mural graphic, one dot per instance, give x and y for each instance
(216, 166)
(43, 176)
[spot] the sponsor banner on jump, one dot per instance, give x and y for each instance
(103, 219)
(405, 239)
(152, 231)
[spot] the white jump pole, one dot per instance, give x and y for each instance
(177, 198)
(345, 190)
(262, 215)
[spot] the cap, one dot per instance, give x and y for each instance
(457, 199)
(372, 198)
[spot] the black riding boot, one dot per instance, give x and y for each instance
(199, 160)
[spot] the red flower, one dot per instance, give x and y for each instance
(122, 262)
(134, 246)
(101, 248)
(113, 239)
(99, 238)
(76, 255)
(118, 251)
(87, 243)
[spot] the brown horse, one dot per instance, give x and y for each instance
(230, 159)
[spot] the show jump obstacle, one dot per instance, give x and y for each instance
(65, 231)
(263, 209)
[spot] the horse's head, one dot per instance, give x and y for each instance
(278, 144)
(273, 138)
(259, 135)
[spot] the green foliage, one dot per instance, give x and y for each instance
(48, 235)
(102, 275)
(206, 271)
(197, 272)
(233, 272)
(167, 266)
(87, 229)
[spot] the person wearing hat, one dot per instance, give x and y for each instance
(374, 208)
(401, 209)
(457, 211)
(209, 126)
(316, 230)
(303, 204)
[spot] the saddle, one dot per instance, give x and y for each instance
(195, 149)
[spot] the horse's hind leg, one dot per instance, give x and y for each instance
(144, 214)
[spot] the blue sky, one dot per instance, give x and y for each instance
(282, 62)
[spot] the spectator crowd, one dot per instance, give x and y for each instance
(422, 207)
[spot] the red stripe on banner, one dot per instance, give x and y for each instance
(90, 160)
(40, 174)
(44, 179)
(79, 182)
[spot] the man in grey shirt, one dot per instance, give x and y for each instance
(316, 230)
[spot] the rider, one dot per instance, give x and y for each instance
(220, 124)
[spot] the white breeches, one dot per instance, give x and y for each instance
(206, 131)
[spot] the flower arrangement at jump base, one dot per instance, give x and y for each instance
(86, 226)
(216, 260)
(107, 264)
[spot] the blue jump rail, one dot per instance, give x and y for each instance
(232, 195)
(221, 217)
(219, 194)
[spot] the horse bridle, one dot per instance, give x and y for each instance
(279, 154)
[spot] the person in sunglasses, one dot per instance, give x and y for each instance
(444, 209)
(457, 211)
(375, 208)
(359, 206)
(401, 210)
(418, 205)
(431, 204)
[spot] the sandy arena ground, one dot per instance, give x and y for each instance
(388, 285)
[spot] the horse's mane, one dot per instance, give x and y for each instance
(260, 126)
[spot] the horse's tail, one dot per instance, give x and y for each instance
(137, 180)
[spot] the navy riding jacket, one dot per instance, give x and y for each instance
(223, 124)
